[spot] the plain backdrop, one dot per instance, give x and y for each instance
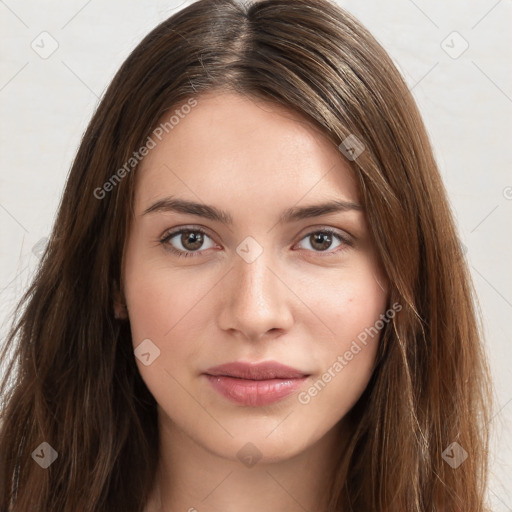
(455, 57)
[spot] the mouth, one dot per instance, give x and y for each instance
(253, 384)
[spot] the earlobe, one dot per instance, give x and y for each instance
(120, 310)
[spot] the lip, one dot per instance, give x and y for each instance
(255, 384)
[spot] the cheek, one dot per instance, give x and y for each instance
(352, 310)
(163, 307)
(351, 303)
(156, 302)
(166, 307)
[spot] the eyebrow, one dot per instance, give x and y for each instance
(293, 214)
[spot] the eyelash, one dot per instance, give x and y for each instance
(164, 241)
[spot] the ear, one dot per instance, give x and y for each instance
(120, 310)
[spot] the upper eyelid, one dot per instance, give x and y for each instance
(172, 232)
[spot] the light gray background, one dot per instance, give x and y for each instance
(466, 102)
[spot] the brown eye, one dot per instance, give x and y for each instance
(322, 240)
(191, 240)
(186, 241)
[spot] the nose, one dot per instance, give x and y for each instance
(256, 300)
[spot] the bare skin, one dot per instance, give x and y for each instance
(302, 302)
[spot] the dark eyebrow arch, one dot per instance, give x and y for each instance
(294, 214)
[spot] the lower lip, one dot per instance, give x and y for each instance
(254, 392)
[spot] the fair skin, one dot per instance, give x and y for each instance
(301, 302)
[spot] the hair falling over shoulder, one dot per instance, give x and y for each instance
(72, 381)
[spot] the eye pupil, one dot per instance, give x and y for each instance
(195, 237)
(324, 239)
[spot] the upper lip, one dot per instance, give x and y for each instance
(256, 371)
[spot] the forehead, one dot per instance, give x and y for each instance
(229, 144)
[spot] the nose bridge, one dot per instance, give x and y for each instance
(255, 283)
(257, 301)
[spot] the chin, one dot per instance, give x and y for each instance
(261, 442)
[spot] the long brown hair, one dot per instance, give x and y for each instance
(73, 382)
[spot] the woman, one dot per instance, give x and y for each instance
(253, 296)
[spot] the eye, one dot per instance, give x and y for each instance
(321, 240)
(189, 239)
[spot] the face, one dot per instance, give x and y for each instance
(250, 279)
